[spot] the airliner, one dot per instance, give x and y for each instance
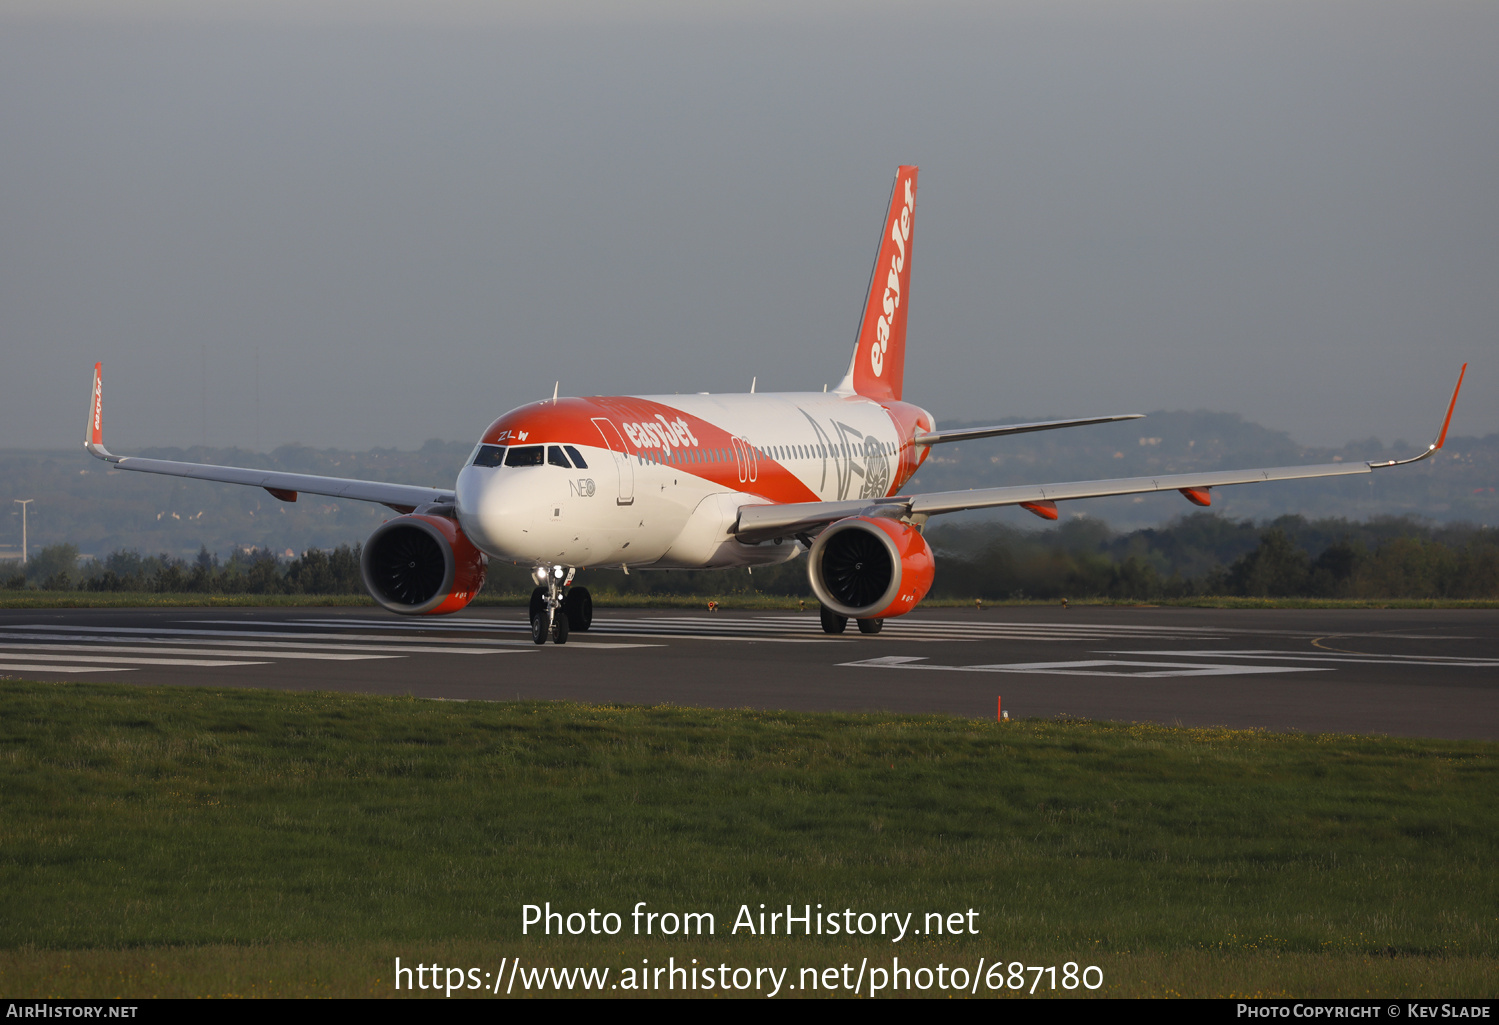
(707, 481)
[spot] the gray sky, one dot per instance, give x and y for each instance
(372, 224)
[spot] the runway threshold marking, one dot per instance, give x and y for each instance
(331, 656)
(276, 646)
(783, 628)
(128, 660)
(155, 631)
(776, 628)
(809, 623)
(27, 668)
(1087, 667)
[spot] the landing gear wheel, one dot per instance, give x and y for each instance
(871, 626)
(539, 628)
(832, 623)
(579, 608)
(559, 628)
(538, 603)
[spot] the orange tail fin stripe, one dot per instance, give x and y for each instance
(96, 410)
(879, 365)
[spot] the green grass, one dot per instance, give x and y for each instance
(259, 842)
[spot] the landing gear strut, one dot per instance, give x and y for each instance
(549, 617)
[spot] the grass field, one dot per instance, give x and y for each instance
(193, 841)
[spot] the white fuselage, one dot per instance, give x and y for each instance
(671, 497)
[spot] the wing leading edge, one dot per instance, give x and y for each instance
(761, 522)
(971, 433)
(403, 498)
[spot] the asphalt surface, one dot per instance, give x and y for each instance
(1428, 673)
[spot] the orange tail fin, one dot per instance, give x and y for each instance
(878, 369)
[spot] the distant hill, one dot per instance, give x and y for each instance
(80, 500)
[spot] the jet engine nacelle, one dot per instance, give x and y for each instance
(869, 568)
(422, 566)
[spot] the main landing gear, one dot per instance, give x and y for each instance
(832, 623)
(553, 614)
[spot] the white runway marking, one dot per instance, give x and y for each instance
(20, 668)
(160, 635)
(776, 628)
(387, 639)
(125, 647)
(251, 632)
(332, 656)
(126, 660)
(1296, 656)
(804, 627)
(1087, 667)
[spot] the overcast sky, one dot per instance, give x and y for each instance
(372, 224)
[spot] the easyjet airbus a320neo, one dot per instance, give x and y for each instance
(705, 481)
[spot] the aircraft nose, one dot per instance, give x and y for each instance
(490, 511)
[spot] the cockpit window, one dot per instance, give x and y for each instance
(489, 455)
(577, 457)
(526, 455)
(556, 458)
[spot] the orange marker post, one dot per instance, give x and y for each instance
(999, 708)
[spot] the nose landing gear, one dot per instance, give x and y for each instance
(553, 614)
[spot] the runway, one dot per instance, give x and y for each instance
(1403, 672)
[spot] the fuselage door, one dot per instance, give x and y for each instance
(616, 445)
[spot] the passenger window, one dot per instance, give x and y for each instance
(526, 455)
(556, 458)
(489, 455)
(577, 457)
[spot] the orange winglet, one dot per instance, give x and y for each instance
(1045, 510)
(1197, 496)
(283, 494)
(1442, 438)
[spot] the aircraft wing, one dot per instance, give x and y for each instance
(403, 498)
(762, 522)
(970, 433)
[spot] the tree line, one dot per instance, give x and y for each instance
(315, 571)
(1195, 555)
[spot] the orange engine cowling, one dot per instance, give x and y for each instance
(421, 566)
(868, 568)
